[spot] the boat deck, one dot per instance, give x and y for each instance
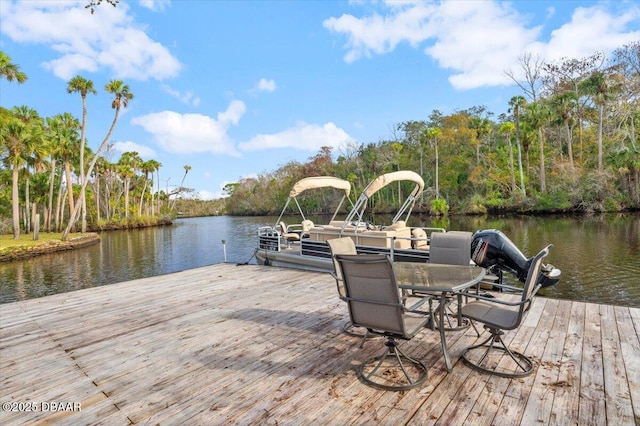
(249, 344)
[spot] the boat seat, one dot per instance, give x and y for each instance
(289, 236)
(383, 238)
(306, 227)
(328, 232)
(420, 240)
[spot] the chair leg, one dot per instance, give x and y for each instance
(524, 366)
(349, 329)
(389, 379)
(474, 328)
(463, 323)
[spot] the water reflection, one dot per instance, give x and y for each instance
(127, 255)
(599, 256)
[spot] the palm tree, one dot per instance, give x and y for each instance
(21, 134)
(517, 104)
(94, 3)
(432, 134)
(538, 115)
(601, 88)
(507, 128)
(10, 71)
(396, 148)
(564, 105)
(53, 148)
(148, 167)
(127, 165)
(483, 128)
(158, 187)
(83, 86)
(122, 96)
(107, 170)
(180, 188)
(64, 136)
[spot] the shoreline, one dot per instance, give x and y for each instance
(84, 240)
(20, 253)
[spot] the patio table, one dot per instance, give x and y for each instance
(438, 278)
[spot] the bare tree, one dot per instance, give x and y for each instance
(531, 80)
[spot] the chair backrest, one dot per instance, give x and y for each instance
(283, 228)
(307, 225)
(344, 245)
(531, 283)
(452, 248)
(372, 293)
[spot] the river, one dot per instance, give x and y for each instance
(599, 256)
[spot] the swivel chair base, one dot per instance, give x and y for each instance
(395, 371)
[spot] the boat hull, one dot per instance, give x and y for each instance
(316, 256)
(293, 260)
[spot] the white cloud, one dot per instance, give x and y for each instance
(479, 40)
(215, 195)
(155, 5)
(203, 194)
(128, 146)
(592, 30)
(186, 97)
(265, 85)
(107, 39)
(308, 137)
(193, 133)
(381, 34)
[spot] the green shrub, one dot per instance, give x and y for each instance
(558, 200)
(439, 207)
(476, 205)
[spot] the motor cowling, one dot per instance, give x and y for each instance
(492, 249)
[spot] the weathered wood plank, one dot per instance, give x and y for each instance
(540, 402)
(592, 396)
(566, 401)
(530, 338)
(616, 384)
(257, 345)
(628, 322)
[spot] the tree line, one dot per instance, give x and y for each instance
(568, 143)
(51, 178)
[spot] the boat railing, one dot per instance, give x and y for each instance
(400, 237)
(269, 238)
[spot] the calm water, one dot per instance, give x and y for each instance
(599, 256)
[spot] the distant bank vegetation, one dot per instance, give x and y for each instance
(568, 144)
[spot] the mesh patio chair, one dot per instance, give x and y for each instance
(450, 248)
(497, 316)
(375, 303)
(344, 245)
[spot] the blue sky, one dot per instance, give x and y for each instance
(238, 88)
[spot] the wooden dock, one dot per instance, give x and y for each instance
(248, 344)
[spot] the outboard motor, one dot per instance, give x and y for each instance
(492, 249)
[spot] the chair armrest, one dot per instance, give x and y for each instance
(492, 299)
(504, 302)
(340, 290)
(418, 304)
(506, 287)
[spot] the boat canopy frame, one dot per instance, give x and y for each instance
(317, 182)
(380, 182)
